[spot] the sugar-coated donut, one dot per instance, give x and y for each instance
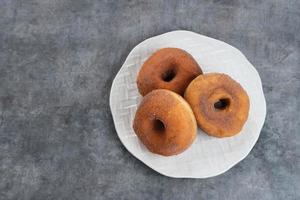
(167, 68)
(165, 123)
(220, 104)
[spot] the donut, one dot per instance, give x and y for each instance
(165, 123)
(220, 104)
(167, 68)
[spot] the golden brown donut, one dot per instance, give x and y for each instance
(167, 68)
(165, 123)
(220, 104)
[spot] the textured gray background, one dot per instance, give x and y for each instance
(58, 60)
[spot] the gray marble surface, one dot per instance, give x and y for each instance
(57, 63)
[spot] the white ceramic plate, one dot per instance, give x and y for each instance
(208, 156)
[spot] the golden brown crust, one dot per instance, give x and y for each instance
(178, 129)
(220, 104)
(167, 68)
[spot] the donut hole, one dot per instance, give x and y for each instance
(222, 104)
(168, 75)
(159, 126)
